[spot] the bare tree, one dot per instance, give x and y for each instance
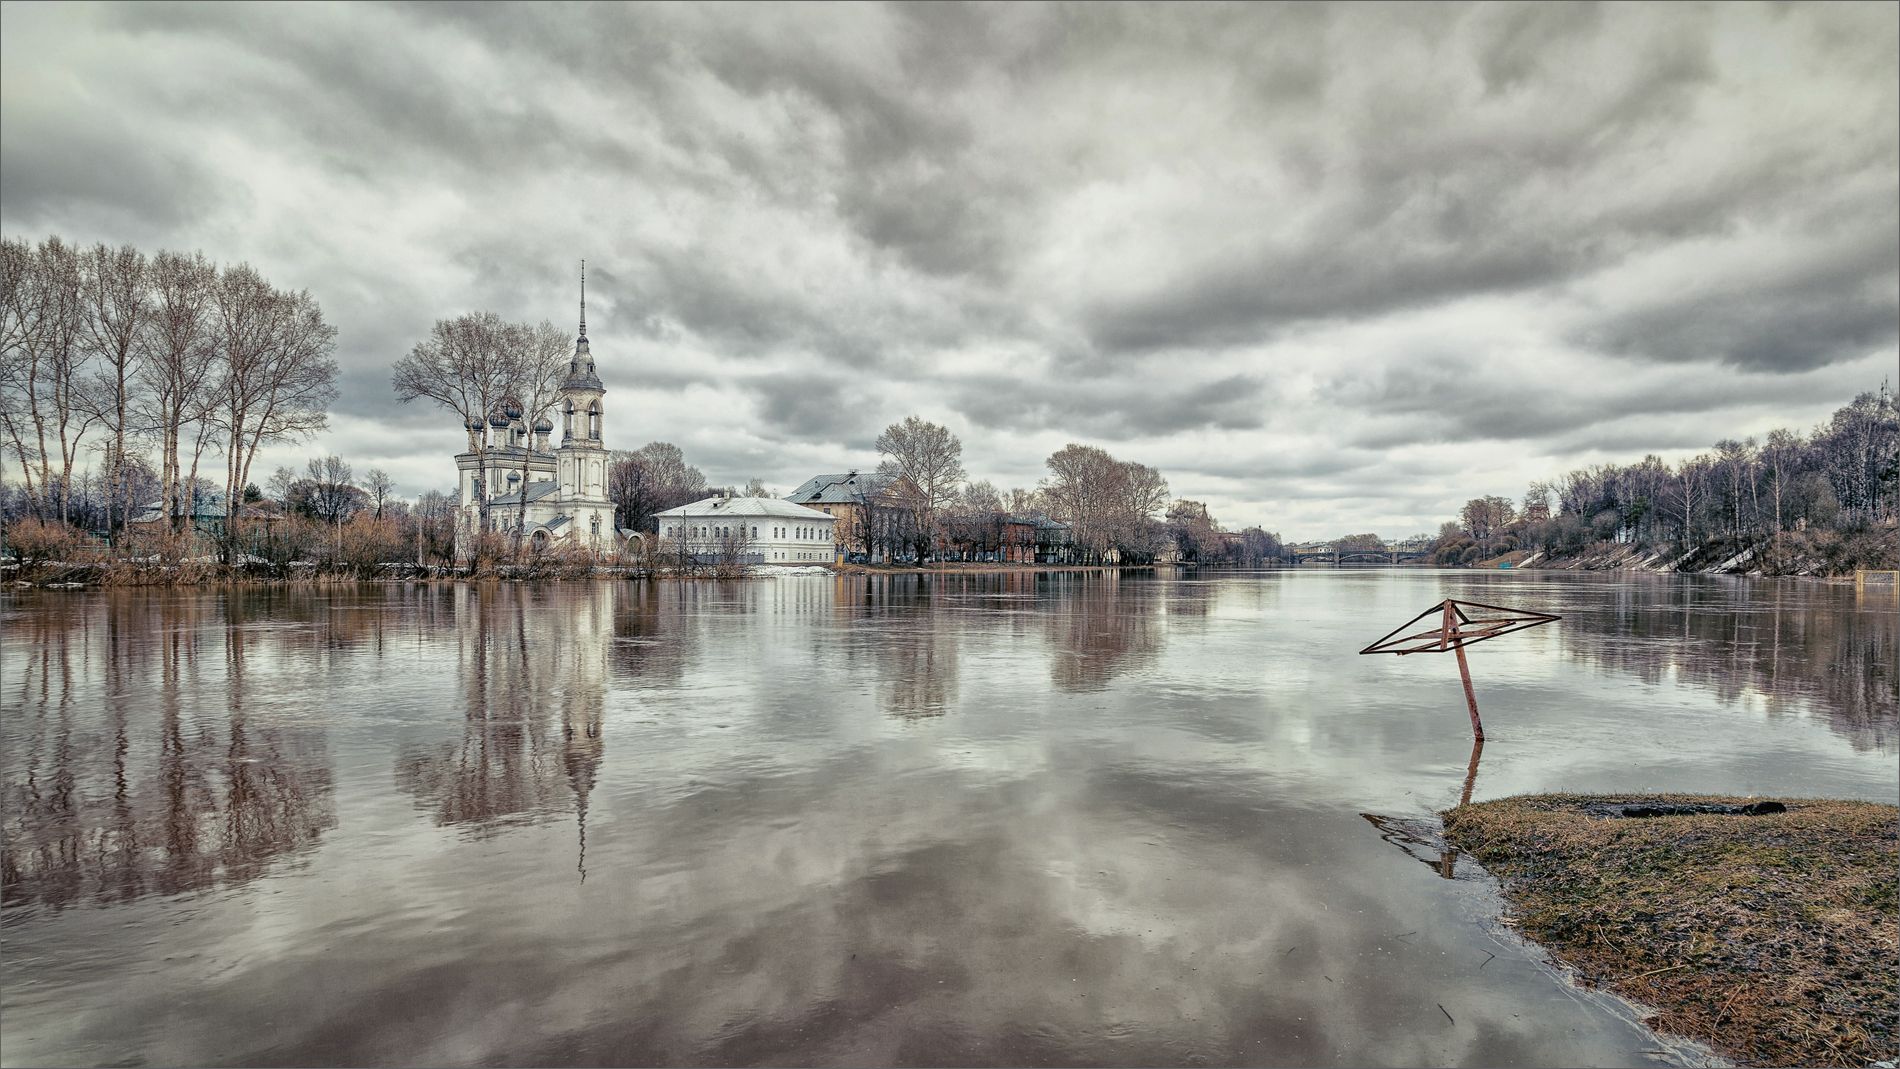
(1484, 517)
(1196, 534)
(329, 492)
(926, 461)
(1079, 490)
(378, 484)
(20, 321)
(280, 483)
(974, 520)
(464, 365)
(277, 376)
(1021, 502)
(44, 393)
(651, 479)
(1142, 493)
(180, 367)
(756, 488)
(1108, 503)
(117, 302)
(537, 365)
(435, 523)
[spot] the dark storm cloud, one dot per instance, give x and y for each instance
(1035, 222)
(1431, 400)
(814, 406)
(94, 165)
(1129, 406)
(1807, 316)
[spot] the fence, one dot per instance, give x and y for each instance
(1878, 580)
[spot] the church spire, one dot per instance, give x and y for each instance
(580, 370)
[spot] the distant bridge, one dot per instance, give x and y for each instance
(1327, 553)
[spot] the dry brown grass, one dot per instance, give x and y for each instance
(1774, 939)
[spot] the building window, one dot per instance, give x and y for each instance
(593, 421)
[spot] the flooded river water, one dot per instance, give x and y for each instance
(1024, 818)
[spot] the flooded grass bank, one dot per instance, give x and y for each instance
(1772, 938)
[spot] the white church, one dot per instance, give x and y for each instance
(565, 487)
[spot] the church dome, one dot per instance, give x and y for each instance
(543, 425)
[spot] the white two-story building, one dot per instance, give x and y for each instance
(756, 530)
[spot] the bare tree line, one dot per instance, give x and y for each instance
(115, 351)
(1825, 500)
(921, 504)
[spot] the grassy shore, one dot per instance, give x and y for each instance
(1775, 939)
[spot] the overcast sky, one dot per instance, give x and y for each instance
(1330, 269)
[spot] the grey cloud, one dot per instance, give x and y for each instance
(1178, 207)
(1127, 406)
(1808, 317)
(814, 406)
(95, 166)
(1435, 399)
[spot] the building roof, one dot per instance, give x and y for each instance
(746, 506)
(536, 491)
(580, 370)
(849, 488)
(208, 505)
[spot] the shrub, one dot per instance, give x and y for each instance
(45, 546)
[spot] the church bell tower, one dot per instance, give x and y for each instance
(582, 458)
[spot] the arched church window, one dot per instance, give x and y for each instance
(568, 415)
(593, 420)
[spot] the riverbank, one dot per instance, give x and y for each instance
(1772, 938)
(91, 576)
(983, 568)
(1805, 554)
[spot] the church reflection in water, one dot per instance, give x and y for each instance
(141, 759)
(533, 666)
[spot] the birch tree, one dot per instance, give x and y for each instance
(19, 329)
(180, 368)
(44, 398)
(277, 376)
(117, 302)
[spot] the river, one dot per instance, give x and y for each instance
(1019, 818)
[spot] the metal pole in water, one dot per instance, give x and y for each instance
(1446, 632)
(1471, 697)
(1471, 770)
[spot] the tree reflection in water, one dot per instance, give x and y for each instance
(1098, 629)
(894, 625)
(207, 793)
(1793, 644)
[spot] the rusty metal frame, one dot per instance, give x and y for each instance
(1457, 629)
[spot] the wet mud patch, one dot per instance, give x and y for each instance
(1774, 937)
